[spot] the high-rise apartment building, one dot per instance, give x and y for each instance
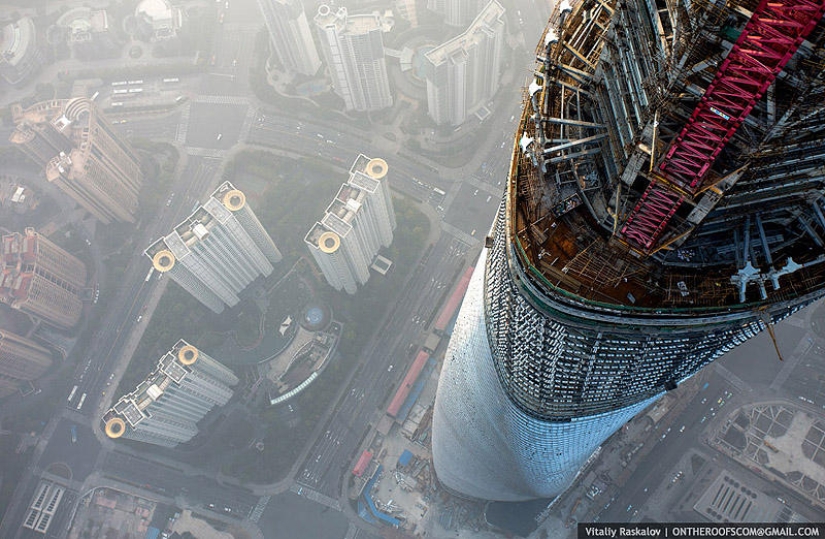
(164, 409)
(82, 155)
(354, 49)
(21, 360)
(218, 250)
(463, 73)
(290, 36)
(356, 225)
(456, 12)
(644, 230)
(406, 9)
(41, 279)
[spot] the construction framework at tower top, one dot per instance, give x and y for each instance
(672, 160)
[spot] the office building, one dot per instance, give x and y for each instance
(82, 155)
(358, 222)
(644, 232)
(354, 50)
(164, 409)
(458, 13)
(218, 250)
(21, 57)
(41, 279)
(463, 73)
(21, 360)
(290, 37)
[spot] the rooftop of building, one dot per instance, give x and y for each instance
(15, 40)
(131, 408)
(71, 117)
(365, 177)
(573, 185)
(199, 224)
(156, 10)
(84, 21)
(478, 31)
(353, 24)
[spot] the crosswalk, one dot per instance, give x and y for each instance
(183, 125)
(222, 100)
(206, 152)
(259, 509)
(251, 113)
(460, 234)
(315, 496)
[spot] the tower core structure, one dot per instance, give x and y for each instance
(664, 204)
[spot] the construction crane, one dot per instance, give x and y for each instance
(769, 325)
(769, 40)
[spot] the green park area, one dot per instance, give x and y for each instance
(288, 196)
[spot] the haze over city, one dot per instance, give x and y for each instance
(276, 269)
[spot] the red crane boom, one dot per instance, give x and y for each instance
(769, 40)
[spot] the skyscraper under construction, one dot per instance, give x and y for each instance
(664, 204)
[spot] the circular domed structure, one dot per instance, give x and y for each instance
(377, 168)
(329, 242)
(115, 427)
(188, 355)
(234, 200)
(163, 260)
(315, 317)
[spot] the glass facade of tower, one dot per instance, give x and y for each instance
(623, 259)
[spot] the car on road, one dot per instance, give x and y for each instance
(139, 318)
(682, 429)
(389, 369)
(220, 136)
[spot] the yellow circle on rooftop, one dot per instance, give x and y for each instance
(377, 168)
(188, 354)
(234, 200)
(329, 242)
(115, 427)
(163, 260)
